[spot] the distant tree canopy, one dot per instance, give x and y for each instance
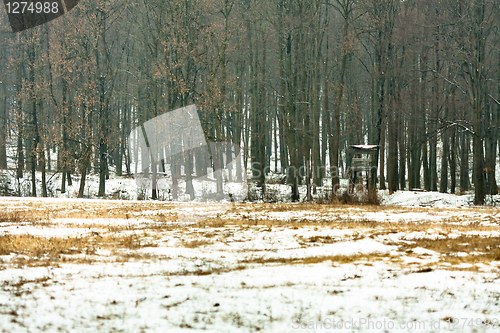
(295, 82)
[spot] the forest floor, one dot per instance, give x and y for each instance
(71, 265)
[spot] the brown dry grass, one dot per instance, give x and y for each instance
(472, 248)
(46, 210)
(336, 259)
(331, 209)
(44, 251)
(132, 227)
(166, 212)
(305, 206)
(378, 228)
(22, 217)
(41, 246)
(123, 240)
(196, 243)
(208, 271)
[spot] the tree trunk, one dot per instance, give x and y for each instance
(383, 132)
(478, 89)
(427, 169)
(35, 135)
(453, 162)
(464, 162)
(392, 128)
(43, 169)
(84, 164)
(3, 123)
(443, 183)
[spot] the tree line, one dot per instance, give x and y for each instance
(294, 82)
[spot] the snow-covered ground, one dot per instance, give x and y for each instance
(433, 199)
(69, 265)
(127, 188)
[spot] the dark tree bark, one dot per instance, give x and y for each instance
(3, 120)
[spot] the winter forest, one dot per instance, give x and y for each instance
(295, 83)
(244, 166)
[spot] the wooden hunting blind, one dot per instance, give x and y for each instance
(363, 160)
(363, 157)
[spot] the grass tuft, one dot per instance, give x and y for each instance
(44, 251)
(336, 259)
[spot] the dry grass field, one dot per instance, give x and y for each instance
(147, 266)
